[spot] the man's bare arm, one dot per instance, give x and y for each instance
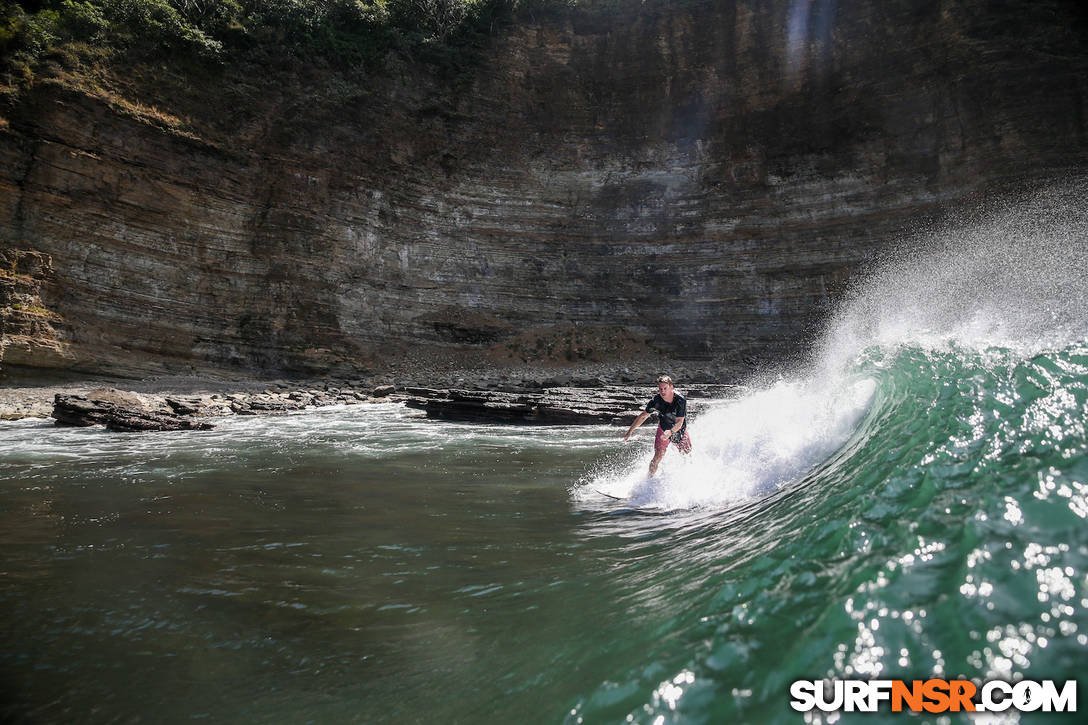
(638, 421)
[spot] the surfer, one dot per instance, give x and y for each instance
(671, 408)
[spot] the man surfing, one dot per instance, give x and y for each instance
(671, 408)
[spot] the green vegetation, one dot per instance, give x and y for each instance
(204, 69)
(329, 32)
(35, 310)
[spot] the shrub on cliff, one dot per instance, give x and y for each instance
(341, 33)
(30, 31)
(157, 24)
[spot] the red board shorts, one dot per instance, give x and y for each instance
(661, 443)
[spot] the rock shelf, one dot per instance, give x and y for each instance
(77, 410)
(522, 404)
(614, 405)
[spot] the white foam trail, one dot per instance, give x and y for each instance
(745, 448)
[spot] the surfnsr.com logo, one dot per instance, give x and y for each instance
(933, 696)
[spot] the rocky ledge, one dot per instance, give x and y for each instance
(126, 411)
(528, 404)
(77, 410)
(615, 405)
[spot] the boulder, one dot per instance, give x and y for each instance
(78, 410)
(187, 406)
(273, 404)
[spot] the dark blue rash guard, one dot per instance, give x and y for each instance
(667, 413)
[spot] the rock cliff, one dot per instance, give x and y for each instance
(28, 331)
(705, 176)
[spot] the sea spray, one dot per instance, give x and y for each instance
(1015, 278)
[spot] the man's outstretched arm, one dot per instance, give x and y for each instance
(638, 421)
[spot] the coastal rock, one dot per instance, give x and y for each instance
(79, 410)
(186, 406)
(273, 404)
(199, 407)
(126, 420)
(553, 406)
(270, 404)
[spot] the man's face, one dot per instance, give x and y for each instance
(664, 389)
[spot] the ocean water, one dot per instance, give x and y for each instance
(912, 503)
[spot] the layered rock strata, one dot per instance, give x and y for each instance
(706, 176)
(76, 410)
(607, 405)
(29, 334)
(612, 405)
(127, 411)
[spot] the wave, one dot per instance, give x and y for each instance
(993, 293)
(911, 504)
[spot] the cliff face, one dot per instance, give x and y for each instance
(707, 177)
(28, 331)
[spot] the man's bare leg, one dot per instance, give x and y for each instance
(655, 461)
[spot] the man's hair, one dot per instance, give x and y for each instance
(665, 379)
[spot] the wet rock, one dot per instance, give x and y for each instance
(383, 390)
(126, 420)
(240, 407)
(608, 405)
(555, 406)
(265, 404)
(78, 410)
